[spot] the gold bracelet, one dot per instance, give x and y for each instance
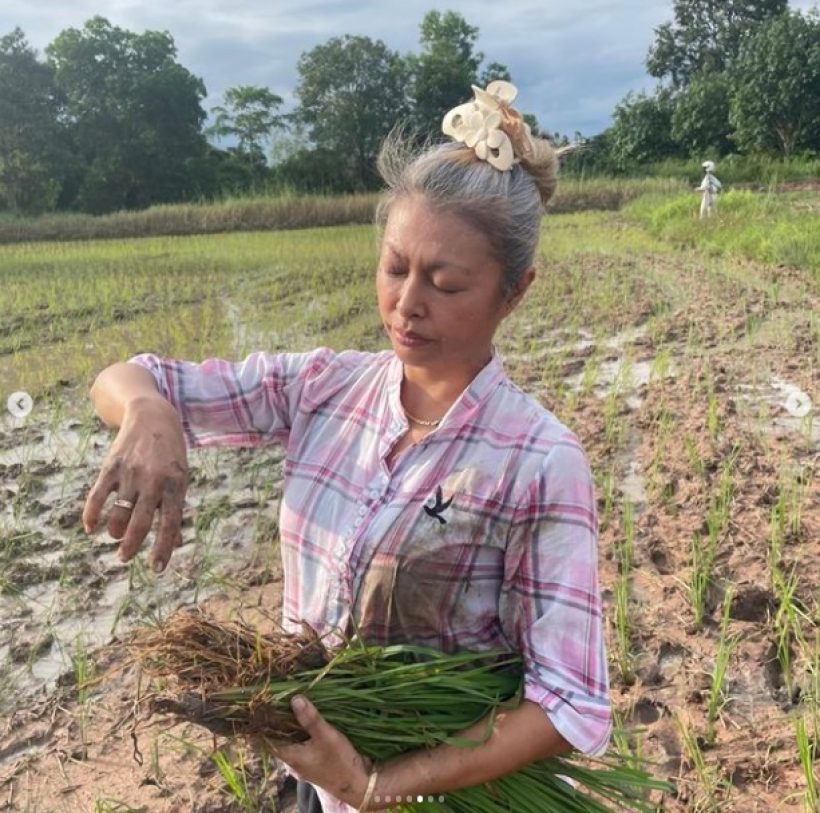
(371, 786)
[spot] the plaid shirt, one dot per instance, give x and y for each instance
(482, 535)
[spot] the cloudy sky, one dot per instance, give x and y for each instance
(572, 61)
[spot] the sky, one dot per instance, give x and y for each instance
(572, 61)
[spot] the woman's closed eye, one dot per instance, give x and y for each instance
(439, 285)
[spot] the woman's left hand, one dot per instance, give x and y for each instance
(328, 759)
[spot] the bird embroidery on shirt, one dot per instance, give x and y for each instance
(439, 507)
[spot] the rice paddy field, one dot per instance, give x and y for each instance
(685, 355)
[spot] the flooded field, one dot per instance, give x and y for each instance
(686, 376)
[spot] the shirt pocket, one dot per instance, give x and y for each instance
(436, 579)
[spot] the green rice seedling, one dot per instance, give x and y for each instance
(82, 675)
(787, 512)
(711, 793)
(723, 500)
(607, 489)
(787, 623)
(665, 423)
(704, 552)
(695, 461)
(613, 403)
(712, 416)
(777, 525)
(589, 378)
(661, 366)
(807, 426)
(387, 700)
(700, 578)
(807, 751)
(235, 779)
(794, 498)
(628, 743)
(113, 806)
(156, 766)
(140, 581)
(727, 644)
(613, 425)
(623, 629)
(625, 555)
(570, 398)
(811, 698)
(627, 547)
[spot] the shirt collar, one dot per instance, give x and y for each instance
(463, 407)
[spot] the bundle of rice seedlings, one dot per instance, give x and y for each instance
(387, 700)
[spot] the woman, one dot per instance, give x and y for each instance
(425, 497)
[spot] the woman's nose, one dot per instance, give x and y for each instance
(411, 298)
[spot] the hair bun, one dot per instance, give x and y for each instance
(542, 165)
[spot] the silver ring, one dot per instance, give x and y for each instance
(126, 504)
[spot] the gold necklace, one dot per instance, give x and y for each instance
(419, 421)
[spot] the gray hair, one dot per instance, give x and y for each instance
(505, 206)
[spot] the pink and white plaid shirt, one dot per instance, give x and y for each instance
(482, 535)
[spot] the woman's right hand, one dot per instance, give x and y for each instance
(147, 465)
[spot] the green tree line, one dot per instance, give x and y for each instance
(734, 76)
(109, 119)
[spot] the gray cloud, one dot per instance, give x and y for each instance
(571, 61)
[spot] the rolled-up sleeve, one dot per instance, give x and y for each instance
(551, 600)
(247, 403)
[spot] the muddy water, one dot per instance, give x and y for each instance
(62, 592)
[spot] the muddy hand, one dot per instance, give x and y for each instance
(146, 470)
(328, 758)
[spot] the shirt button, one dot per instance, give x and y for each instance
(362, 510)
(374, 494)
(358, 521)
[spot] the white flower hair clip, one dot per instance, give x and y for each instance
(488, 125)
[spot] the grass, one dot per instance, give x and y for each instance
(284, 211)
(771, 228)
(758, 170)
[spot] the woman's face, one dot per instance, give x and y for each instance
(439, 289)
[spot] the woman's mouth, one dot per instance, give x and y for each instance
(409, 339)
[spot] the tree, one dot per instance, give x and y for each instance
(248, 114)
(134, 113)
(31, 141)
(776, 86)
(641, 131)
(351, 93)
(705, 36)
(493, 71)
(443, 73)
(700, 118)
(593, 158)
(310, 170)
